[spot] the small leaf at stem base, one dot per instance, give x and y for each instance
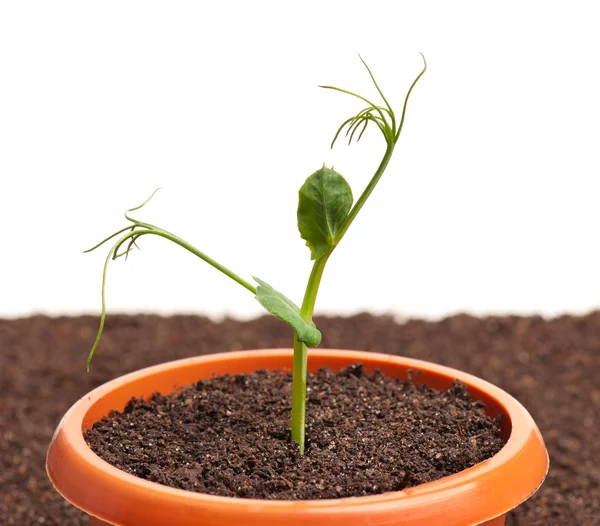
(286, 310)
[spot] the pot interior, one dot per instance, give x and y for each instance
(168, 380)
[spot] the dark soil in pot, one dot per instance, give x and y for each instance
(551, 366)
(367, 434)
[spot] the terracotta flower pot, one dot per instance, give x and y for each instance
(480, 495)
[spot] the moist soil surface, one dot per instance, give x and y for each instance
(551, 366)
(366, 434)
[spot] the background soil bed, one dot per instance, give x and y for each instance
(552, 367)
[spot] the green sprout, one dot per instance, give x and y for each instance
(325, 212)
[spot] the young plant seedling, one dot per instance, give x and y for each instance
(325, 212)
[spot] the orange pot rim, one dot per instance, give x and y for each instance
(480, 493)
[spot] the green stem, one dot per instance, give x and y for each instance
(365, 195)
(310, 295)
(177, 240)
(308, 305)
(301, 355)
(299, 393)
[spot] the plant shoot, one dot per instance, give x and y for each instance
(326, 209)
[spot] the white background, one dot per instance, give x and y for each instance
(491, 204)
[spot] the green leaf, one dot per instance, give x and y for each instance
(286, 310)
(325, 200)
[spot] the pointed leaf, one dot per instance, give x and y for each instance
(325, 200)
(286, 310)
